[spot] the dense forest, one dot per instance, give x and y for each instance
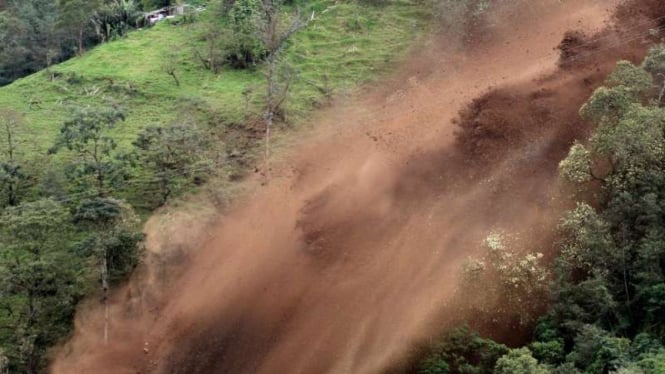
(38, 34)
(605, 293)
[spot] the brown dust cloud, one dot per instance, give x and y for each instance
(348, 258)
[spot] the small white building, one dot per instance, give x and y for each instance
(159, 14)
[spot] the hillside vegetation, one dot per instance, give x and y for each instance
(93, 143)
(335, 263)
(345, 45)
(606, 291)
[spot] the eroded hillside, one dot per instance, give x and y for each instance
(349, 257)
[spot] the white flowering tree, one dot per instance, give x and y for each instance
(516, 282)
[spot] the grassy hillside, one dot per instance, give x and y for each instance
(347, 44)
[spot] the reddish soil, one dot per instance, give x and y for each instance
(349, 257)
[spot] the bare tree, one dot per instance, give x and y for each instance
(170, 66)
(274, 38)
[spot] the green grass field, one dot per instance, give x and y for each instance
(344, 47)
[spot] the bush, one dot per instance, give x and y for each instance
(242, 47)
(462, 351)
(519, 361)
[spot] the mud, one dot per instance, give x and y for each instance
(349, 257)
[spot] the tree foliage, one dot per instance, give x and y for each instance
(13, 174)
(113, 242)
(175, 155)
(38, 286)
(114, 236)
(38, 33)
(611, 271)
(114, 19)
(517, 280)
(86, 134)
(607, 313)
(76, 16)
(519, 361)
(243, 47)
(462, 351)
(576, 167)
(46, 253)
(30, 38)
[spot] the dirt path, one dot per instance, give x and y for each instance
(349, 256)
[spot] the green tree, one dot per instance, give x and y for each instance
(114, 242)
(623, 247)
(654, 62)
(38, 33)
(232, 36)
(86, 134)
(242, 45)
(175, 155)
(38, 286)
(608, 105)
(587, 244)
(577, 167)
(607, 313)
(115, 18)
(462, 351)
(610, 279)
(548, 345)
(651, 363)
(12, 171)
(30, 38)
(76, 16)
(519, 361)
(630, 76)
(597, 351)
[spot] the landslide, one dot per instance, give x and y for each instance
(349, 256)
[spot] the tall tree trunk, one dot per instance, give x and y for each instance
(100, 183)
(33, 364)
(269, 116)
(211, 58)
(661, 95)
(12, 198)
(12, 193)
(266, 154)
(32, 359)
(81, 41)
(165, 187)
(104, 270)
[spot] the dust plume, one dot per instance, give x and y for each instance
(349, 256)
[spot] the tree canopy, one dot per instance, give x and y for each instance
(607, 291)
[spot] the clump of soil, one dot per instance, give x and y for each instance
(576, 45)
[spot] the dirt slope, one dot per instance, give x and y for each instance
(349, 256)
